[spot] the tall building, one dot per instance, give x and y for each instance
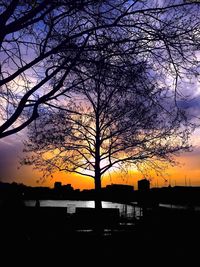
(143, 185)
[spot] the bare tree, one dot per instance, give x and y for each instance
(34, 35)
(118, 115)
(29, 47)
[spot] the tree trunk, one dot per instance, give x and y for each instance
(98, 204)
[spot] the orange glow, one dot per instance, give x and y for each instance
(186, 173)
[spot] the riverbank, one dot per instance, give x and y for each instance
(161, 233)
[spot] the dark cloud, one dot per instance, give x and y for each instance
(10, 149)
(192, 107)
(193, 103)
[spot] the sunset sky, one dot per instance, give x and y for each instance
(187, 172)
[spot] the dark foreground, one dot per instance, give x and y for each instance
(162, 236)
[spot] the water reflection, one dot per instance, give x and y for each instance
(125, 210)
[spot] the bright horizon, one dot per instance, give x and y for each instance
(186, 173)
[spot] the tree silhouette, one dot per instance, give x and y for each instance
(118, 114)
(34, 36)
(30, 50)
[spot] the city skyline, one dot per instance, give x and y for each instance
(186, 173)
(152, 119)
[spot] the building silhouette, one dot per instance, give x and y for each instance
(143, 185)
(57, 185)
(118, 192)
(120, 188)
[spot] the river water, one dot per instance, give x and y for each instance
(128, 211)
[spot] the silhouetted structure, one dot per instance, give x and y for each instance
(57, 185)
(120, 188)
(143, 185)
(62, 191)
(118, 192)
